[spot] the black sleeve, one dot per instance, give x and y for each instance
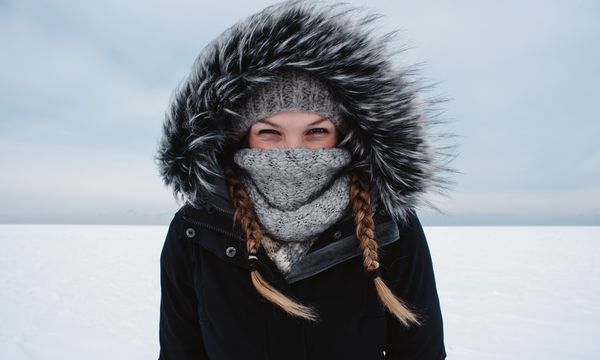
(412, 279)
(180, 334)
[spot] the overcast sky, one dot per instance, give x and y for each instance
(85, 86)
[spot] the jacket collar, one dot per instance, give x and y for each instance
(335, 251)
(335, 245)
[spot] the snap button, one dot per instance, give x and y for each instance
(230, 251)
(337, 234)
(190, 232)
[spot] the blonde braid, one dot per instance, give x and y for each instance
(244, 213)
(365, 233)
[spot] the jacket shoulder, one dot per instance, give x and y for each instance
(409, 272)
(175, 248)
(397, 256)
(212, 231)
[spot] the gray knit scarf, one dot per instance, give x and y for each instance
(297, 193)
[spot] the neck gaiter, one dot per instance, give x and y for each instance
(297, 193)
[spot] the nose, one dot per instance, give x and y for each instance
(293, 142)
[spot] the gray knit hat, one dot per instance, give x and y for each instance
(291, 90)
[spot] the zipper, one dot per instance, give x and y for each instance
(214, 228)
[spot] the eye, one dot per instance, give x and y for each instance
(318, 131)
(267, 131)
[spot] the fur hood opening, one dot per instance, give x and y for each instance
(391, 131)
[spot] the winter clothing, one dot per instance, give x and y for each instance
(209, 307)
(387, 124)
(297, 193)
(291, 90)
(210, 310)
(285, 254)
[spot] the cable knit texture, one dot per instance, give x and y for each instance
(297, 194)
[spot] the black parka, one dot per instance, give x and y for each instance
(209, 305)
(210, 310)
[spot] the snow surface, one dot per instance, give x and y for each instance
(92, 291)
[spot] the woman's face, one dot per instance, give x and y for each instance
(292, 130)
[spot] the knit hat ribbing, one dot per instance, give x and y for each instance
(291, 91)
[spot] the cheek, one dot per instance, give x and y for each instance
(324, 142)
(331, 140)
(255, 143)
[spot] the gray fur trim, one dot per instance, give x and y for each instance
(391, 131)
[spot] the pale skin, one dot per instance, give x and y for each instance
(293, 130)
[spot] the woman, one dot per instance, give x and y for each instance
(300, 154)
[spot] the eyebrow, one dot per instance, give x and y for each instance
(275, 125)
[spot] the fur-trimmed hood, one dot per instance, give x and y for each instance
(389, 126)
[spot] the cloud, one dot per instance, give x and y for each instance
(76, 181)
(86, 85)
(525, 203)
